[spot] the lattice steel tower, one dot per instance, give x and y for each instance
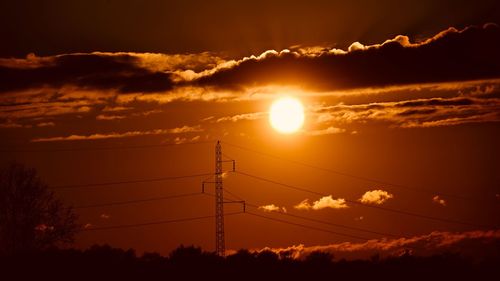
(220, 247)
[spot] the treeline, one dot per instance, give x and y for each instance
(190, 263)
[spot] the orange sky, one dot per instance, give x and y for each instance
(412, 118)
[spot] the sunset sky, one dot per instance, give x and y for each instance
(400, 135)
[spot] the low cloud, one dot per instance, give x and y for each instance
(272, 208)
(438, 200)
(322, 203)
(471, 243)
(376, 197)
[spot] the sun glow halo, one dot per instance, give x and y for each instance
(286, 115)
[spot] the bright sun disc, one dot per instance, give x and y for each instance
(286, 115)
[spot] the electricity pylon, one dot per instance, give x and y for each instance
(220, 247)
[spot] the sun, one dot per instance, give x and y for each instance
(286, 115)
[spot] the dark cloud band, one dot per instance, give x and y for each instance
(451, 55)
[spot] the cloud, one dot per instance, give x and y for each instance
(328, 131)
(10, 124)
(179, 130)
(376, 197)
(181, 140)
(105, 216)
(471, 243)
(108, 108)
(115, 86)
(185, 129)
(322, 203)
(394, 62)
(42, 104)
(303, 205)
(272, 208)
(244, 116)
(122, 116)
(119, 71)
(438, 200)
(109, 117)
(430, 112)
(46, 124)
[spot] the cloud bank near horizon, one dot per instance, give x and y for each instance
(474, 244)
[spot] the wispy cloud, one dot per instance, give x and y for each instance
(46, 124)
(179, 130)
(430, 112)
(109, 117)
(181, 140)
(328, 131)
(244, 116)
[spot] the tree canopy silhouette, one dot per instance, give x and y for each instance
(31, 217)
(192, 263)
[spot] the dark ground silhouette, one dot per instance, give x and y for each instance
(35, 227)
(189, 263)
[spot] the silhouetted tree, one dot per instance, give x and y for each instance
(31, 218)
(242, 256)
(186, 255)
(192, 263)
(319, 258)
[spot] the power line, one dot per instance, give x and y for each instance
(361, 178)
(227, 156)
(154, 222)
(333, 224)
(280, 183)
(121, 147)
(314, 220)
(367, 206)
(70, 186)
(308, 227)
(232, 194)
(118, 203)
